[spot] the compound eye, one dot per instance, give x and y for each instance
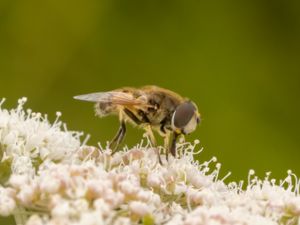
(183, 114)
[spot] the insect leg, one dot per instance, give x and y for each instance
(166, 144)
(151, 135)
(122, 130)
(153, 141)
(173, 144)
(118, 138)
(132, 116)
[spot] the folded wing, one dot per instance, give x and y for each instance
(113, 97)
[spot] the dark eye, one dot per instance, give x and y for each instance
(183, 114)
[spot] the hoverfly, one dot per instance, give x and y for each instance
(149, 107)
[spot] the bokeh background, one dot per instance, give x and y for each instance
(239, 61)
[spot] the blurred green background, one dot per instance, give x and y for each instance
(239, 61)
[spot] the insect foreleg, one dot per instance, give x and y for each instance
(118, 138)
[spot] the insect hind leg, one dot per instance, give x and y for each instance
(114, 144)
(122, 130)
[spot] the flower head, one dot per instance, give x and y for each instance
(58, 180)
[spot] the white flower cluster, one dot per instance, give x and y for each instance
(27, 139)
(88, 186)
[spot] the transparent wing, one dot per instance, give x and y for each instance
(114, 97)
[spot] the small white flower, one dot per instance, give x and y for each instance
(203, 197)
(128, 188)
(27, 194)
(122, 221)
(144, 195)
(91, 218)
(62, 209)
(114, 199)
(22, 165)
(49, 185)
(293, 206)
(7, 203)
(139, 208)
(102, 207)
(155, 180)
(177, 219)
(10, 138)
(95, 188)
(18, 181)
(81, 205)
(35, 220)
(197, 179)
(180, 189)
